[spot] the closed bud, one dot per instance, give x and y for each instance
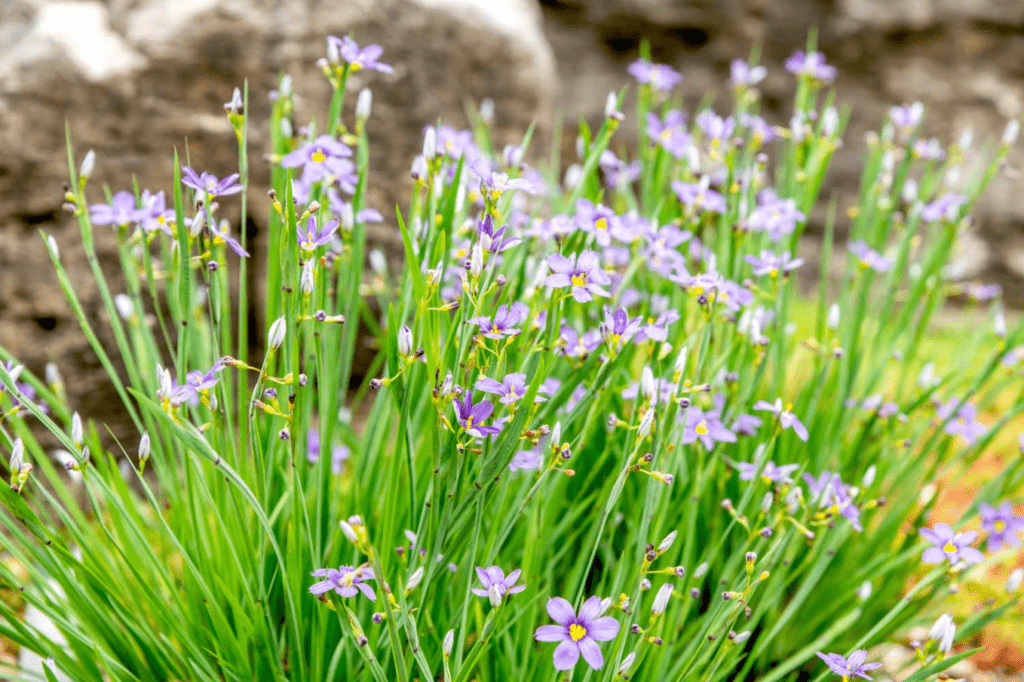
(1010, 132)
(88, 165)
(647, 385)
(927, 376)
(680, 364)
(53, 377)
(52, 243)
(307, 281)
(833, 317)
(701, 570)
(999, 323)
(661, 599)
(364, 101)
(449, 643)
(645, 424)
(667, 542)
(767, 501)
(740, 637)
(476, 260)
(556, 434)
(286, 128)
(573, 176)
(1013, 582)
(869, 476)
(830, 122)
(17, 456)
(626, 664)
(76, 430)
(348, 531)
(430, 143)
(144, 447)
(414, 580)
(864, 591)
(943, 632)
(276, 335)
(333, 52)
(405, 341)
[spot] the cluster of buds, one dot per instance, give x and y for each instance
(356, 533)
(939, 641)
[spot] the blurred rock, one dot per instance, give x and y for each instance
(960, 57)
(137, 79)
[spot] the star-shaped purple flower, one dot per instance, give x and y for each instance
(493, 578)
(345, 580)
(854, 666)
(868, 257)
(359, 58)
(511, 388)
(772, 264)
(950, 546)
(208, 185)
(120, 211)
(504, 322)
(319, 158)
(577, 633)
(787, 419)
(313, 237)
(472, 417)
(1002, 525)
(582, 273)
(811, 65)
(659, 76)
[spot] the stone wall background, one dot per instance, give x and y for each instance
(136, 78)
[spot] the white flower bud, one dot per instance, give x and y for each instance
(830, 122)
(77, 436)
(1013, 582)
(999, 323)
(927, 376)
(17, 456)
(88, 164)
(680, 364)
(448, 644)
(1010, 132)
(414, 580)
(581, 146)
(701, 570)
(833, 317)
(741, 637)
(53, 377)
(864, 591)
(910, 191)
(286, 128)
(348, 531)
(767, 501)
(307, 282)
(419, 170)
(333, 53)
(487, 110)
(661, 599)
(476, 260)
(378, 263)
(869, 476)
(430, 143)
(68, 461)
(275, 337)
(647, 386)
(144, 446)
(645, 424)
(573, 176)
(966, 139)
(611, 105)
(124, 305)
(364, 102)
(794, 499)
(556, 434)
(943, 632)
(405, 341)
(626, 664)
(667, 542)
(52, 243)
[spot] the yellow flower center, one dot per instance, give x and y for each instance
(355, 66)
(601, 223)
(469, 422)
(579, 280)
(666, 134)
(949, 547)
(702, 428)
(318, 156)
(999, 526)
(774, 272)
(347, 579)
(577, 632)
(697, 291)
(495, 330)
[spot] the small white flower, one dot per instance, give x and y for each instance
(364, 101)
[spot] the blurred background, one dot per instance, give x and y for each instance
(136, 79)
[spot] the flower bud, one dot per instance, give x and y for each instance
(864, 591)
(348, 531)
(52, 243)
(767, 501)
(943, 632)
(307, 282)
(999, 323)
(740, 637)
(833, 317)
(701, 570)
(276, 335)
(869, 476)
(830, 122)
(286, 128)
(667, 542)
(414, 580)
(680, 364)
(573, 176)
(1013, 582)
(364, 101)
(661, 599)
(88, 165)
(647, 386)
(1010, 132)
(76, 430)
(53, 377)
(144, 447)
(17, 456)
(430, 143)
(405, 341)
(448, 644)
(645, 424)
(333, 52)
(626, 664)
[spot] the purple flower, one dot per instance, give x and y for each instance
(698, 197)
(617, 327)
(345, 580)
(717, 130)
(907, 117)
(946, 207)
(472, 417)
(671, 133)
(581, 272)
(616, 171)
(339, 453)
(659, 76)
(208, 184)
(494, 579)
(526, 460)
(707, 427)
(743, 74)
(854, 666)
(456, 143)
(869, 258)
(771, 264)
(777, 217)
(154, 214)
(577, 633)
(596, 220)
(576, 345)
(787, 419)
(831, 494)
(504, 323)
(964, 422)
(358, 58)
(656, 330)
(1002, 525)
(120, 211)
(711, 286)
(746, 424)
(494, 241)
(951, 546)
(930, 149)
(511, 388)
(222, 235)
(319, 159)
(498, 183)
(982, 292)
(811, 65)
(313, 237)
(770, 474)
